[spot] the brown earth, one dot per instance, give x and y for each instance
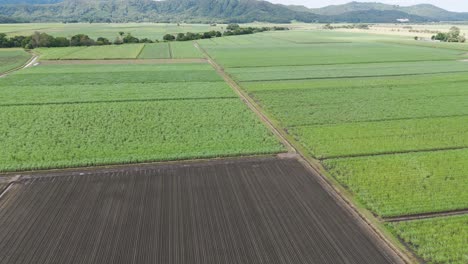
(236, 211)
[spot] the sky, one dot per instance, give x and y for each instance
(452, 5)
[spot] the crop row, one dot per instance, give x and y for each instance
(102, 74)
(52, 136)
(438, 240)
(341, 105)
(387, 137)
(46, 94)
(408, 81)
(185, 50)
(346, 70)
(406, 184)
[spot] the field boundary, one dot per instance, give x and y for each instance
(389, 153)
(123, 61)
(425, 216)
(122, 101)
(332, 64)
(141, 51)
(356, 77)
(81, 170)
(376, 121)
(317, 170)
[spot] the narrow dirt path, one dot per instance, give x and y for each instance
(249, 101)
(31, 62)
(314, 166)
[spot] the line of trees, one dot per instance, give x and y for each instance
(38, 40)
(454, 35)
(231, 30)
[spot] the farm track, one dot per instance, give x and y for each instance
(247, 100)
(129, 61)
(121, 101)
(252, 211)
(425, 216)
(316, 169)
(29, 63)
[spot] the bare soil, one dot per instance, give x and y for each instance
(236, 211)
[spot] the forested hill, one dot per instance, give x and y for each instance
(212, 11)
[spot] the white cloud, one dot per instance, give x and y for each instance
(453, 5)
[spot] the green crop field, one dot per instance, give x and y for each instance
(128, 51)
(78, 115)
(256, 54)
(438, 240)
(388, 119)
(185, 50)
(174, 50)
(12, 58)
(111, 74)
(112, 92)
(301, 107)
(405, 184)
(57, 53)
(155, 51)
(347, 70)
(54, 136)
(353, 139)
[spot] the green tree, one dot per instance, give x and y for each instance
(102, 41)
(233, 27)
(181, 37)
(168, 37)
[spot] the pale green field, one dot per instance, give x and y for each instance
(111, 31)
(173, 50)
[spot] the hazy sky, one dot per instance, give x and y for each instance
(453, 5)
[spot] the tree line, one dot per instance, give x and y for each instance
(39, 40)
(231, 30)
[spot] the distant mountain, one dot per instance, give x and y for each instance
(363, 10)
(29, 2)
(214, 11)
(156, 11)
